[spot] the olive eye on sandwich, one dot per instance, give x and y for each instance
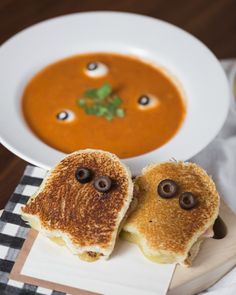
(96, 69)
(102, 184)
(83, 175)
(188, 201)
(167, 188)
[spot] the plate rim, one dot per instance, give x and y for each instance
(39, 163)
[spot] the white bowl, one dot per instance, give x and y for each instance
(197, 69)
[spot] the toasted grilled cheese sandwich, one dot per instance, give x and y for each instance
(177, 206)
(82, 203)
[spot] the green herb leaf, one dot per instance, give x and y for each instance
(81, 102)
(120, 113)
(117, 101)
(104, 91)
(91, 110)
(109, 116)
(101, 103)
(111, 107)
(91, 93)
(101, 111)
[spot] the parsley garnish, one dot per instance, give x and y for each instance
(102, 102)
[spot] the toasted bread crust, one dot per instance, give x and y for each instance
(88, 217)
(162, 225)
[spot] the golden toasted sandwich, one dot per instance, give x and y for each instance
(82, 203)
(177, 206)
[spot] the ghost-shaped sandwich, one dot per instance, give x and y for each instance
(82, 203)
(177, 206)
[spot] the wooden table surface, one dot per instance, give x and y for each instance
(212, 21)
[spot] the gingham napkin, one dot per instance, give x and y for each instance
(218, 159)
(13, 232)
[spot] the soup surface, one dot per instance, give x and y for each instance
(143, 128)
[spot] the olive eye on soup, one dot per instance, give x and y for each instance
(147, 101)
(65, 115)
(96, 69)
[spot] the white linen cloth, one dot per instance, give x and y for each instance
(219, 160)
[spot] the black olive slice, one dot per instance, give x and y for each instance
(62, 116)
(92, 66)
(102, 184)
(144, 100)
(187, 201)
(83, 175)
(167, 188)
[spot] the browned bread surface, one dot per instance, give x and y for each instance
(162, 222)
(89, 217)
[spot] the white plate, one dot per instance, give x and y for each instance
(197, 69)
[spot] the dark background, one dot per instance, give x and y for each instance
(213, 22)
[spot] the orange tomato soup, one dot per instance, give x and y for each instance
(58, 86)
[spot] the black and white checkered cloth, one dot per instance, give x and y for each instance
(13, 232)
